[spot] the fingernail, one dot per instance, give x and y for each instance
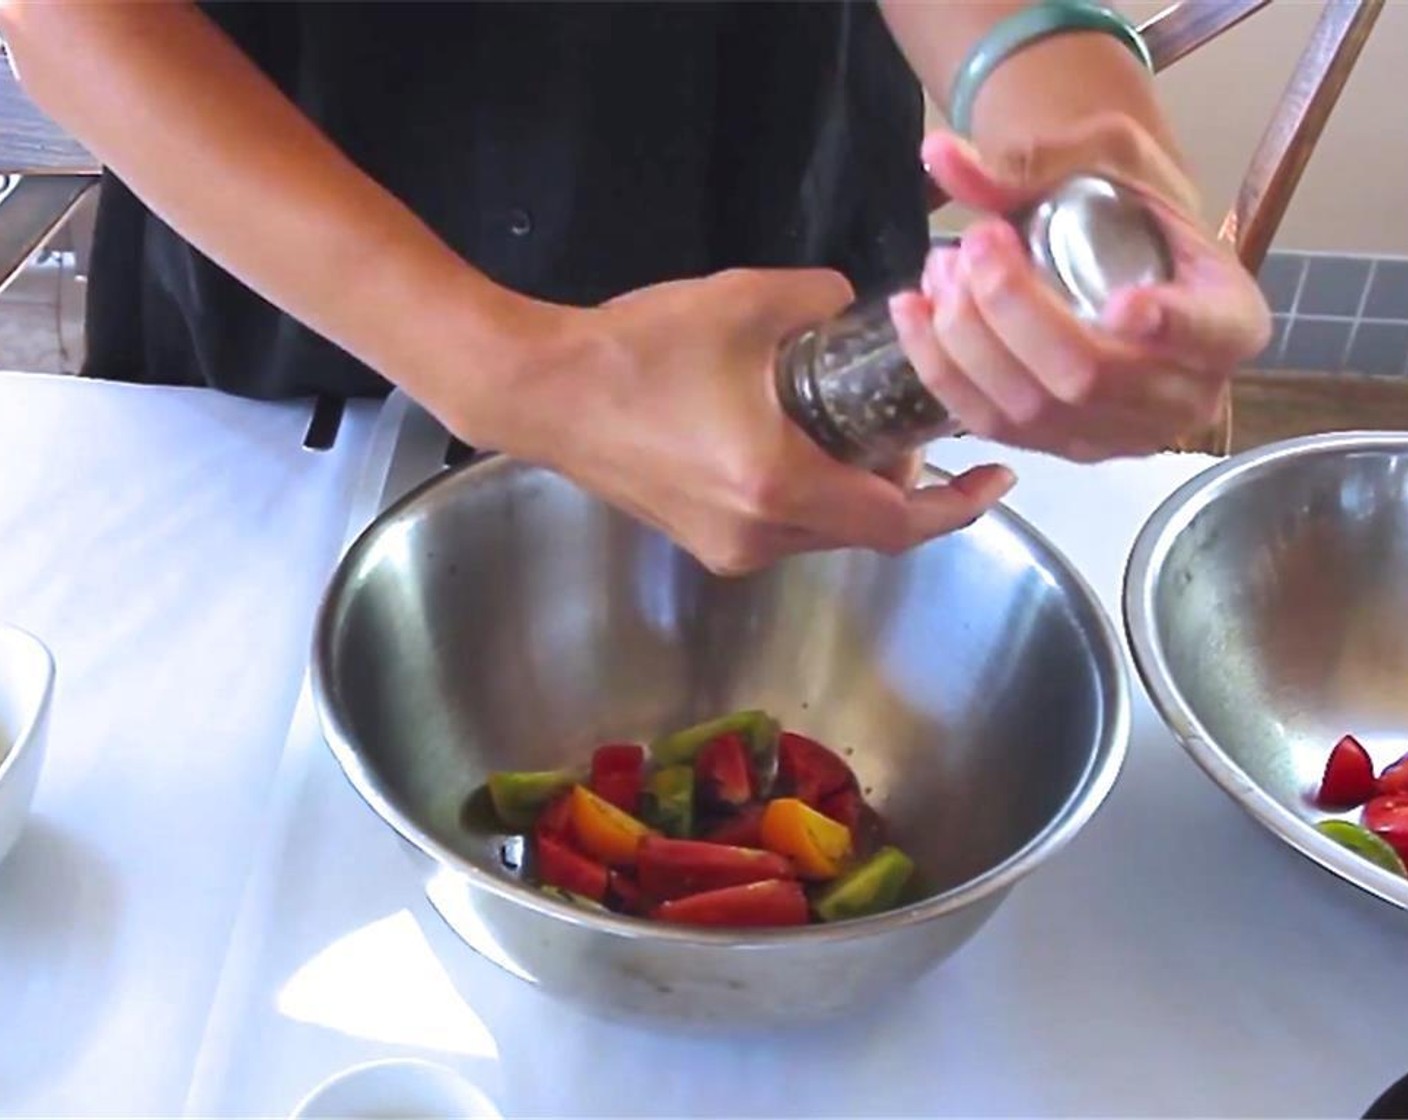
(1006, 478)
(985, 243)
(939, 273)
(900, 310)
(929, 277)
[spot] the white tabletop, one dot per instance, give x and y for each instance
(187, 927)
(169, 545)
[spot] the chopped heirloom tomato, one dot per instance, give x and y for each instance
(810, 772)
(618, 773)
(674, 868)
(776, 902)
(603, 831)
(818, 846)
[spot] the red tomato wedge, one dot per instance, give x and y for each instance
(808, 771)
(1394, 778)
(555, 821)
(742, 830)
(843, 806)
(560, 866)
(623, 893)
(675, 868)
(776, 902)
(722, 773)
(618, 773)
(1388, 816)
(1349, 776)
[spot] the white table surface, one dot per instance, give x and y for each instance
(185, 927)
(169, 546)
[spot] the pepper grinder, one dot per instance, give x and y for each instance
(847, 383)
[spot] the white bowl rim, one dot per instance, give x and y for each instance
(1151, 548)
(23, 741)
(423, 1065)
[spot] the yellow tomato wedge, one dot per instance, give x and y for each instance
(604, 831)
(818, 846)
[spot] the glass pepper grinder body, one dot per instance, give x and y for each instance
(847, 382)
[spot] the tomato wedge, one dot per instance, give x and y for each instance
(741, 830)
(604, 831)
(1394, 778)
(808, 771)
(617, 775)
(843, 806)
(623, 894)
(1388, 817)
(776, 902)
(722, 773)
(555, 820)
(1349, 776)
(674, 868)
(817, 846)
(560, 866)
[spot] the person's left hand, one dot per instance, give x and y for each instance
(1012, 362)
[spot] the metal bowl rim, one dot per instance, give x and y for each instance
(1102, 769)
(1143, 570)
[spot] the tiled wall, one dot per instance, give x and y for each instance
(1335, 312)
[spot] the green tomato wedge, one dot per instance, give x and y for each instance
(872, 888)
(1363, 842)
(519, 796)
(667, 801)
(759, 729)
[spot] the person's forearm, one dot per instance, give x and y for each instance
(1052, 83)
(216, 150)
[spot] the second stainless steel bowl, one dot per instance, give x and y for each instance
(1267, 608)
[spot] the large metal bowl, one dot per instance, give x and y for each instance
(1266, 603)
(499, 617)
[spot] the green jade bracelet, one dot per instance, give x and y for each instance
(1021, 30)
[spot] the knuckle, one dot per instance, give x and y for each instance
(958, 315)
(1028, 407)
(1085, 452)
(895, 534)
(743, 285)
(1122, 139)
(1025, 162)
(759, 492)
(736, 556)
(1078, 383)
(998, 285)
(986, 424)
(894, 539)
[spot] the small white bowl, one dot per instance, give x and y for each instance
(26, 689)
(396, 1088)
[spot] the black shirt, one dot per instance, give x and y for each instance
(570, 151)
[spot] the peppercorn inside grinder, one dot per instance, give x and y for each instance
(847, 383)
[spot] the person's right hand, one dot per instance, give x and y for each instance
(667, 411)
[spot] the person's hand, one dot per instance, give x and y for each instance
(665, 408)
(1012, 363)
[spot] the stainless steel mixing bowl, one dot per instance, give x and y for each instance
(1266, 603)
(498, 617)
